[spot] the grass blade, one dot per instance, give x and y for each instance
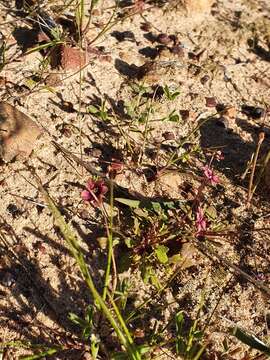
(250, 340)
(74, 247)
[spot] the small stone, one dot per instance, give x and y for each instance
(146, 27)
(205, 79)
(53, 80)
(72, 58)
(168, 135)
(13, 210)
(18, 133)
(106, 58)
(39, 247)
(164, 39)
(211, 102)
(184, 114)
(115, 167)
(253, 112)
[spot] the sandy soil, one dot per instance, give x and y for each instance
(39, 281)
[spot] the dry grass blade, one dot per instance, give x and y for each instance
(251, 187)
(210, 252)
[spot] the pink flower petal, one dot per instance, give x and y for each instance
(90, 184)
(200, 222)
(209, 174)
(85, 195)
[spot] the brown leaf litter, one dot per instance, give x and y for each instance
(18, 133)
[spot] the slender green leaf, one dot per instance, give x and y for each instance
(131, 203)
(250, 340)
(49, 352)
(75, 249)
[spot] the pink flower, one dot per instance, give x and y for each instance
(209, 174)
(95, 191)
(200, 221)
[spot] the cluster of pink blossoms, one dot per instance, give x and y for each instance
(95, 191)
(209, 175)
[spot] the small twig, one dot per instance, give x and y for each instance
(249, 164)
(250, 186)
(27, 198)
(265, 162)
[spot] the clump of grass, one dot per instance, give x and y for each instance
(113, 315)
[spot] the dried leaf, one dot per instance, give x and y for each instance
(72, 58)
(18, 133)
(188, 252)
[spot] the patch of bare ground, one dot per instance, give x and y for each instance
(157, 92)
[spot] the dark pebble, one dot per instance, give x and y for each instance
(146, 27)
(253, 111)
(204, 79)
(184, 114)
(168, 135)
(6, 278)
(13, 210)
(210, 102)
(163, 39)
(178, 50)
(173, 38)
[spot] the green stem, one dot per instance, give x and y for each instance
(76, 251)
(125, 329)
(110, 245)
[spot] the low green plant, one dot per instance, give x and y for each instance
(188, 344)
(113, 316)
